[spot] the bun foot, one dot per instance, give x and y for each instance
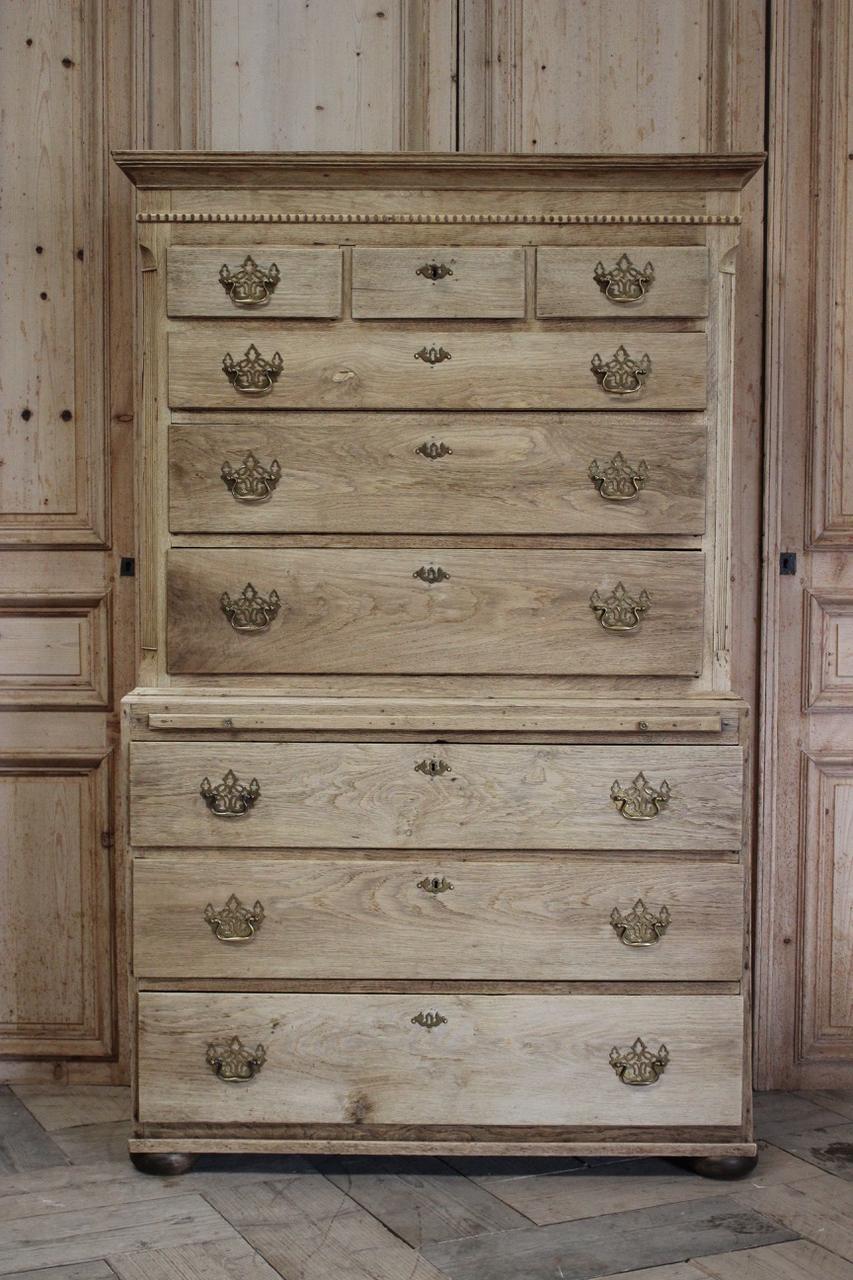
(162, 1164)
(723, 1168)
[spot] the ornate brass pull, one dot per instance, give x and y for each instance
(434, 270)
(617, 481)
(428, 1020)
(640, 927)
(253, 375)
(434, 884)
(624, 282)
(230, 798)
(250, 285)
(234, 922)
(251, 481)
(433, 768)
(233, 1062)
(640, 801)
(431, 575)
(250, 611)
(638, 1065)
(433, 355)
(621, 375)
(434, 451)
(620, 611)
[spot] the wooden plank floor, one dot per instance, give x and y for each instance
(73, 1208)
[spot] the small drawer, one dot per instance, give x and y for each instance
(622, 283)
(418, 367)
(465, 473)
(399, 284)
(287, 1058)
(429, 610)
(238, 281)
(439, 917)
(391, 795)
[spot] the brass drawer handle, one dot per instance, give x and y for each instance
(435, 884)
(621, 375)
(431, 575)
(433, 450)
(620, 611)
(251, 481)
(428, 1020)
(433, 768)
(638, 1065)
(617, 480)
(234, 922)
(233, 1062)
(624, 282)
(230, 798)
(640, 927)
(250, 285)
(253, 375)
(640, 801)
(433, 355)
(434, 270)
(250, 611)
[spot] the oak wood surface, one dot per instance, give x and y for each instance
(498, 611)
(480, 282)
(515, 920)
(566, 283)
(536, 1059)
(372, 795)
(373, 473)
(373, 368)
(310, 283)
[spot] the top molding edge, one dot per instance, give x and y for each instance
(217, 169)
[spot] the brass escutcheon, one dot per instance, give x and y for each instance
(640, 801)
(252, 375)
(640, 927)
(433, 768)
(428, 1020)
(233, 1062)
(230, 798)
(251, 481)
(431, 575)
(250, 611)
(433, 355)
(621, 375)
(234, 922)
(434, 451)
(250, 285)
(620, 611)
(434, 270)
(638, 1065)
(617, 480)
(435, 884)
(624, 282)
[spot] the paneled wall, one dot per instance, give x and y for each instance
(531, 75)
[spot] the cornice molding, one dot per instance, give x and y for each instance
(208, 169)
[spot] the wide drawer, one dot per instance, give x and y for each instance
(232, 281)
(448, 796)
(622, 283)
(439, 917)
(431, 610)
(417, 367)
(460, 473)
(439, 1059)
(439, 282)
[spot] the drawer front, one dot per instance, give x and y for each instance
(368, 368)
(431, 610)
(439, 918)
(239, 281)
(363, 795)
(622, 283)
(438, 282)
(465, 473)
(515, 1059)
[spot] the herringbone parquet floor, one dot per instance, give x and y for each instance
(73, 1208)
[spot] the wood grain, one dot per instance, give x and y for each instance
(499, 611)
(499, 920)
(520, 473)
(371, 795)
(488, 283)
(358, 368)
(566, 284)
(310, 284)
(339, 1058)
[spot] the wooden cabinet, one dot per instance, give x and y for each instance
(435, 778)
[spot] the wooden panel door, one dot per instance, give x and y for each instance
(66, 299)
(805, 906)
